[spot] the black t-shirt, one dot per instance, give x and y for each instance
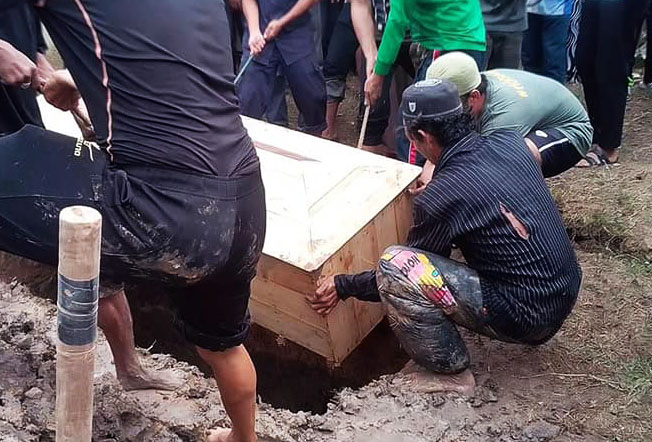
(157, 78)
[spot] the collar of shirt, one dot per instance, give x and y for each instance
(464, 145)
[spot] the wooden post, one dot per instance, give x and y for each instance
(80, 231)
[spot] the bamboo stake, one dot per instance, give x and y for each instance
(363, 128)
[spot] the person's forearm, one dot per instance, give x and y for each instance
(393, 36)
(361, 286)
(388, 50)
(250, 11)
(6, 49)
(299, 8)
(363, 24)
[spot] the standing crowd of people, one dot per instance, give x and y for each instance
(557, 39)
(177, 179)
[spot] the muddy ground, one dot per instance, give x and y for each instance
(591, 382)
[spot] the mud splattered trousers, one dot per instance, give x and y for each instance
(199, 235)
(426, 297)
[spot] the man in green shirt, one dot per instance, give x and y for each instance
(438, 26)
(553, 121)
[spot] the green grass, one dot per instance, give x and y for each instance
(637, 378)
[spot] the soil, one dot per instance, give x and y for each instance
(591, 382)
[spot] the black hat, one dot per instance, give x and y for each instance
(430, 100)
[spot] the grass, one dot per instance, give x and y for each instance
(636, 378)
(608, 209)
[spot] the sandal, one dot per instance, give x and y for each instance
(596, 157)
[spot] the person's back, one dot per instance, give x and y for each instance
(525, 273)
(524, 102)
(554, 123)
(177, 180)
(162, 92)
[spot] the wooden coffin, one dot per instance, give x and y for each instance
(330, 209)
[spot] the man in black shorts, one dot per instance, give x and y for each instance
(554, 123)
(176, 177)
(521, 276)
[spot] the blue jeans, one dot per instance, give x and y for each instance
(402, 143)
(544, 45)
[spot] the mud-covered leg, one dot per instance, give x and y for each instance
(114, 318)
(418, 302)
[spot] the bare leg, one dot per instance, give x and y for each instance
(421, 380)
(114, 318)
(236, 378)
(380, 149)
(533, 150)
(330, 133)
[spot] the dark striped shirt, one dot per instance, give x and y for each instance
(527, 284)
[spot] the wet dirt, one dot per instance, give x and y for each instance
(584, 385)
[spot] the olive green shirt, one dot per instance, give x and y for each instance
(524, 102)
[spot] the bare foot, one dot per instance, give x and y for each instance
(380, 149)
(224, 435)
(142, 379)
(422, 380)
(330, 135)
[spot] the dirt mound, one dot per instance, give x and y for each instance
(549, 393)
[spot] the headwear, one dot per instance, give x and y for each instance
(458, 67)
(430, 100)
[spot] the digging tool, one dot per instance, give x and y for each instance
(77, 301)
(243, 69)
(363, 128)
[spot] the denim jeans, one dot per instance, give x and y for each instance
(544, 45)
(503, 50)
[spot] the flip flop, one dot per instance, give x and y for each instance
(595, 157)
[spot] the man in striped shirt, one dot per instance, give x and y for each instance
(521, 277)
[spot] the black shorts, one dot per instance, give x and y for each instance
(557, 152)
(200, 235)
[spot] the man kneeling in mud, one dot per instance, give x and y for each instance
(489, 198)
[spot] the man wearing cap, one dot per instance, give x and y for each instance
(521, 279)
(552, 120)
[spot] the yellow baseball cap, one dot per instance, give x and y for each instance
(457, 67)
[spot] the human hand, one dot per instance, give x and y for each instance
(16, 69)
(424, 178)
(325, 298)
(256, 43)
(60, 91)
(44, 70)
(373, 88)
(274, 28)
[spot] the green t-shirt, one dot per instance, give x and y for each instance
(524, 102)
(444, 25)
